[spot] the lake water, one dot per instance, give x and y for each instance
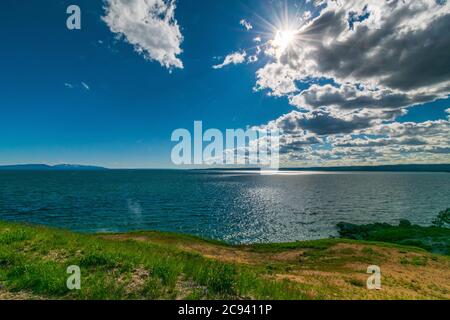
(237, 207)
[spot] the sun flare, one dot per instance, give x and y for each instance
(284, 39)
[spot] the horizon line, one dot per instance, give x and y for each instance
(303, 168)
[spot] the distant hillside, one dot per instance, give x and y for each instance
(44, 167)
(384, 168)
(396, 168)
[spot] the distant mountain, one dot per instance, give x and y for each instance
(77, 167)
(45, 167)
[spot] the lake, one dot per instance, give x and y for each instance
(238, 207)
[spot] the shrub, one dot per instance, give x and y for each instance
(405, 223)
(100, 259)
(443, 219)
(218, 277)
(222, 279)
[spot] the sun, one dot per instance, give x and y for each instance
(283, 39)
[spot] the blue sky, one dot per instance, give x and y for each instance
(88, 97)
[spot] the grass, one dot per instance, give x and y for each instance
(153, 265)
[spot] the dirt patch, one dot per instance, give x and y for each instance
(186, 287)
(291, 256)
(5, 295)
(56, 255)
(217, 252)
(222, 253)
(136, 281)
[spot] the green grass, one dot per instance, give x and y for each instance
(154, 265)
(35, 259)
(274, 247)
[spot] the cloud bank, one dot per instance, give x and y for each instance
(350, 70)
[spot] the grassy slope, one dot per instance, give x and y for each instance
(152, 265)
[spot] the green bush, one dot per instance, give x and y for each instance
(405, 223)
(443, 219)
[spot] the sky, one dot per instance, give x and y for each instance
(347, 82)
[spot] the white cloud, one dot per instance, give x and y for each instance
(279, 78)
(150, 26)
(233, 58)
(350, 96)
(252, 58)
(247, 25)
(408, 129)
(307, 15)
(82, 85)
(395, 142)
(409, 141)
(85, 86)
(329, 121)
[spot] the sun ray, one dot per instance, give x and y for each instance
(285, 29)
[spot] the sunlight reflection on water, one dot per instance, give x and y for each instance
(236, 206)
